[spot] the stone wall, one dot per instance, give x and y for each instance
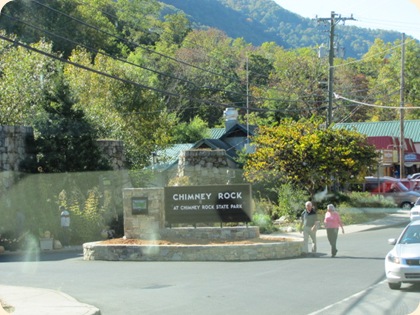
(14, 149)
(13, 146)
(209, 234)
(144, 226)
(263, 251)
(205, 167)
(113, 150)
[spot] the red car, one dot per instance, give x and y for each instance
(412, 184)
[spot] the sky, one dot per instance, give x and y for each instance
(396, 15)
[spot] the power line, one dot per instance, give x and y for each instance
(142, 86)
(337, 96)
(178, 95)
(119, 59)
(97, 51)
(140, 66)
(151, 51)
(123, 60)
(381, 53)
(212, 88)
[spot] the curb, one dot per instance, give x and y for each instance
(37, 301)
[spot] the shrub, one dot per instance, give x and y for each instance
(264, 222)
(367, 200)
(87, 221)
(291, 202)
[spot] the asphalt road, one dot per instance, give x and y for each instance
(352, 283)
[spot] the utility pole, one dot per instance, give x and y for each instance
(402, 87)
(334, 19)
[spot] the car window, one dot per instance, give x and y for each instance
(411, 235)
(401, 187)
(372, 187)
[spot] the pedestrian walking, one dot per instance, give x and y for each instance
(332, 223)
(309, 226)
(65, 226)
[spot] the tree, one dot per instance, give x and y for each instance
(121, 110)
(296, 87)
(308, 156)
(349, 82)
(382, 68)
(206, 74)
(65, 141)
(24, 75)
(191, 132)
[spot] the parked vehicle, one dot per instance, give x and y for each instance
(414, 176)
(402, 263)
(391, 188)
(411, 184)
(415, 211)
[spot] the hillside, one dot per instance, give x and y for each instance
(265, 21)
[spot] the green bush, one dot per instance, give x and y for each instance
(291, 202)
(87, 219)
(264, 222)
(367, 200)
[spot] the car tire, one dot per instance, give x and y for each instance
(406, 206)
(394, 285)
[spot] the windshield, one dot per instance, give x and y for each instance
(411, 235)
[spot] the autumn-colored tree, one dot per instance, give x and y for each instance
(308, 156)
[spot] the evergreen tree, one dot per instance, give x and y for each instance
(66, 142)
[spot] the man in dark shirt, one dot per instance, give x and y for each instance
(309, 225)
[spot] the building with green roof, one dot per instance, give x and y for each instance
(390, 131)
(386, 128)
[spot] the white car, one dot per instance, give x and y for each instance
(415, 211)
(414, 176)
(402, 263)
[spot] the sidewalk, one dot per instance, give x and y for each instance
(36, 301)
(33, 301)
(402, 217)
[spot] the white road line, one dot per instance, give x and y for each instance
(348, 298)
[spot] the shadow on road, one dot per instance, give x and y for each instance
(36, 256)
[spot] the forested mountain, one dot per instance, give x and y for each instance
(266, 21)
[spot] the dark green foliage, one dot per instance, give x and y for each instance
(29, 164)
(66, 142)
(191, 132)
(365, 200)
